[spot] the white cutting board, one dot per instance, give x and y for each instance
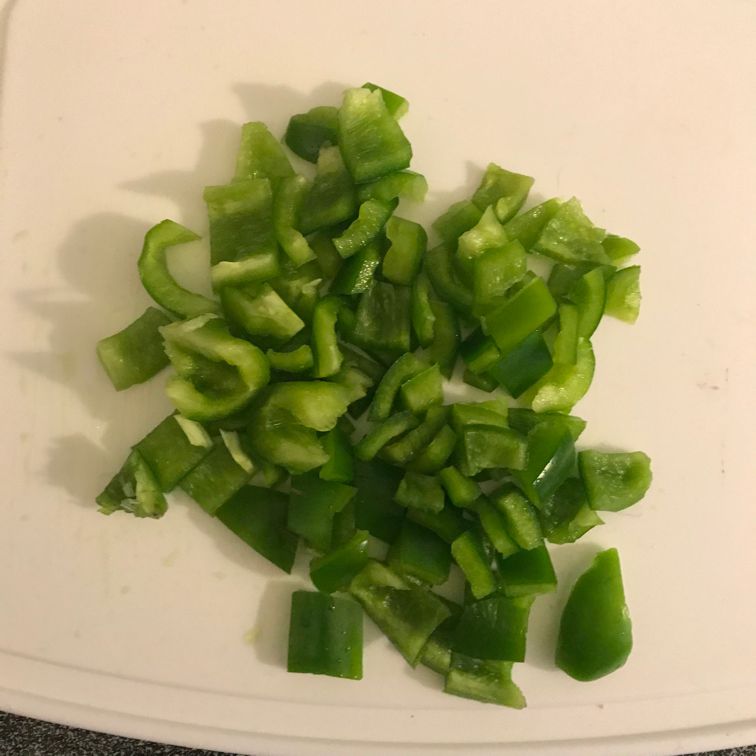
(116, 114)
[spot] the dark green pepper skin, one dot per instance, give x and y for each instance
(595, 634)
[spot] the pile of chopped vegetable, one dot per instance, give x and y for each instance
(331, 309)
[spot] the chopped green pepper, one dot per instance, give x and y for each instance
(133, 489)
(383, 433)
(420, 492)
(156, 278)
(395, 104)
(494, 628)
(458, 219)
(483, 680)
(407, 614)
(308, 132)
(487, 234)
(435, 455)
(260, 155)
(287, 206)
(406, 367)
(170, 453)
(216, 478)
(404, 256)
(374, 506)
(419, 553)
(570, 237)
(494, 525)
(522, 366)
(372, 142)
(258, 516)
(566, 516)
(589, 295)
(383, 318)
(298, 360)
(135, 354)
(369, 223)
(400, 184)
(505, 190)
(325, 347)
(484, 448)
(462, 491)
(623, 296)
(445, 345)
(438, 267)
(495, 271)
(423, 317)
(527, 573)
(618, 247)
(448, 524)
(336, 569)
(357, 273)
(331, 199)
(520, 517)
(261, 312)
(527, 227)
(312, 506)
(325, 635)
(614, 481)
(595, 633)
(340, 465)
(470, 554)
(422, 390)
(403, 451)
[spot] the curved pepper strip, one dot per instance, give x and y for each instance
(156, 278)
(208, 337)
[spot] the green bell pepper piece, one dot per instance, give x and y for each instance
(135, 354)
(494, 628)
(483, 680)
(325, 635)
(566, 516)
(329, 260)
(437, 651)
(551, 460)
(623, 295)
(358, 272)
(263, 266)
(595, 632)
(524, 420)
(260, 155)
(527, 227)
(589, 295)
(527, 573)
(325, 346)
(614, 481)
(241, 221)
(288, 199)
(407, 614)
(520, 314)
(395, 104)
(170, 453)
(258, 516)
(286, 444)
(371, 141)
(485, 448)
(299, 288)
(522, 366)
(494, 272)
(564, 349)
(133, 489)
(371, 219)
(618, 247)
(436, 453)
(462, 491)
(492, 413)
(314, 404)
(446, 337)
(562, 277)
(412, 444)
(156, 278)
(448, 524)
(403, 258)
(331, 199)
(423, 317)
(398, 185)
(358, 385)
(216, 478)
(570, 237)
(469, 552)
(520, 517)
(420, 492)
(299, 360)
(374, 506)
(312, 506)
(419, 553)
(564, 385)
(198, 348)
(494, 525)
(487, 234)
(479, 352)
(383, 318)
(336, 569)
(504, 190)
(457, 220)
(383, 433)
(481, 382)
(439, 269)
(340, 465)
(261, 312)
(308, 132)
(406, 367)
(422, 390)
